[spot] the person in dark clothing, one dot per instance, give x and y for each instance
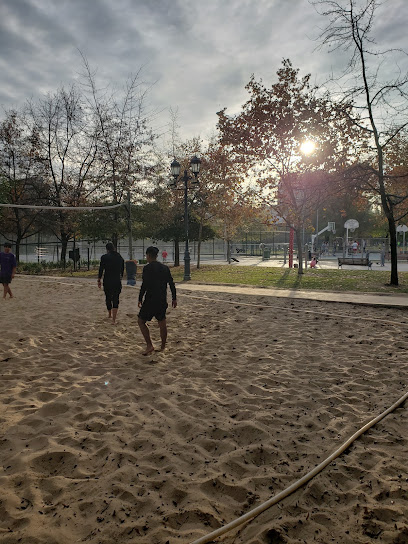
(153, 297)
(8, 267)
(111, 268)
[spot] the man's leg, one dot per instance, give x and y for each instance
(163, 333)
(9, 291)
(114, 314)
(146, 335)
(115, 306)
(5, 289)
(108, 299)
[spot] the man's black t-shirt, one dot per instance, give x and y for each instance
(156, 276)
(112, 267)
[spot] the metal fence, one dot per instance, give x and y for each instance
(49, 249)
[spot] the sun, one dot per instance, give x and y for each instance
(307, 147)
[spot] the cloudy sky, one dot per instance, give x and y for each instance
(198, 53)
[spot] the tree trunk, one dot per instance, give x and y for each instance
(393, 247)
(19, 238)
(299, 249)
(17, 250)
(115, 216)
(64, 246)
(115, 238)
(200, 233)
(176, 253)
(389, 213)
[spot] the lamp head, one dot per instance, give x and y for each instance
(195, 165)
(175, 169)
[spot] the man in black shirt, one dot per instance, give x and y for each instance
(111, 268)
(156, 277)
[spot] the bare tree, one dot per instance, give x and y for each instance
(68, 149)
(379, 99)
(124, 138)
(21, 181)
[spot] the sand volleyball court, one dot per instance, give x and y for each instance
(99, 444)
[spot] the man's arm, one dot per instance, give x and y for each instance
(142, 287)
(173, 290)
(13, 271)
(101, 269)
(122, 267)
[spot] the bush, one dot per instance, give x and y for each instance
(93, 263)
(50, 265)
(30, 268)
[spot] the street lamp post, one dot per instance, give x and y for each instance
(175, 171)
(129, 219)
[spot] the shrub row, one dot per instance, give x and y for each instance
(42, 266)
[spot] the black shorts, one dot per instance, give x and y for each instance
(150, 310)
(112, 296)
(5, 279)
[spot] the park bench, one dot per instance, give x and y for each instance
(354, 261)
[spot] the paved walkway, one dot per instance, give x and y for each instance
(328, 296)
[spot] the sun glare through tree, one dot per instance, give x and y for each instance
(307, 147)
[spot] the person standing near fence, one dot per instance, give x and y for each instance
(111, 268)
(8, 267)
(382, 255)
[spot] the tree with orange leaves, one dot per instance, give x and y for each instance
(286, 140)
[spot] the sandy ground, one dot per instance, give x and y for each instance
(99, 444)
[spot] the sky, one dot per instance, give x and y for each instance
(197, 55)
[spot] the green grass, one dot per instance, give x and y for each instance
(367, 281)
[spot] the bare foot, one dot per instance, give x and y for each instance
(149, 350)
(114, 323)
(162, 347)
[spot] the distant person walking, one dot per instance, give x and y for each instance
(382, 255)
(164, 255)
(153, 297)
(8, 267)
(111, 268)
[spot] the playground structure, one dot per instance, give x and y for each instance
(331, 227)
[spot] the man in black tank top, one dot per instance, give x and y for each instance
(111, 268)
(153, 297)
